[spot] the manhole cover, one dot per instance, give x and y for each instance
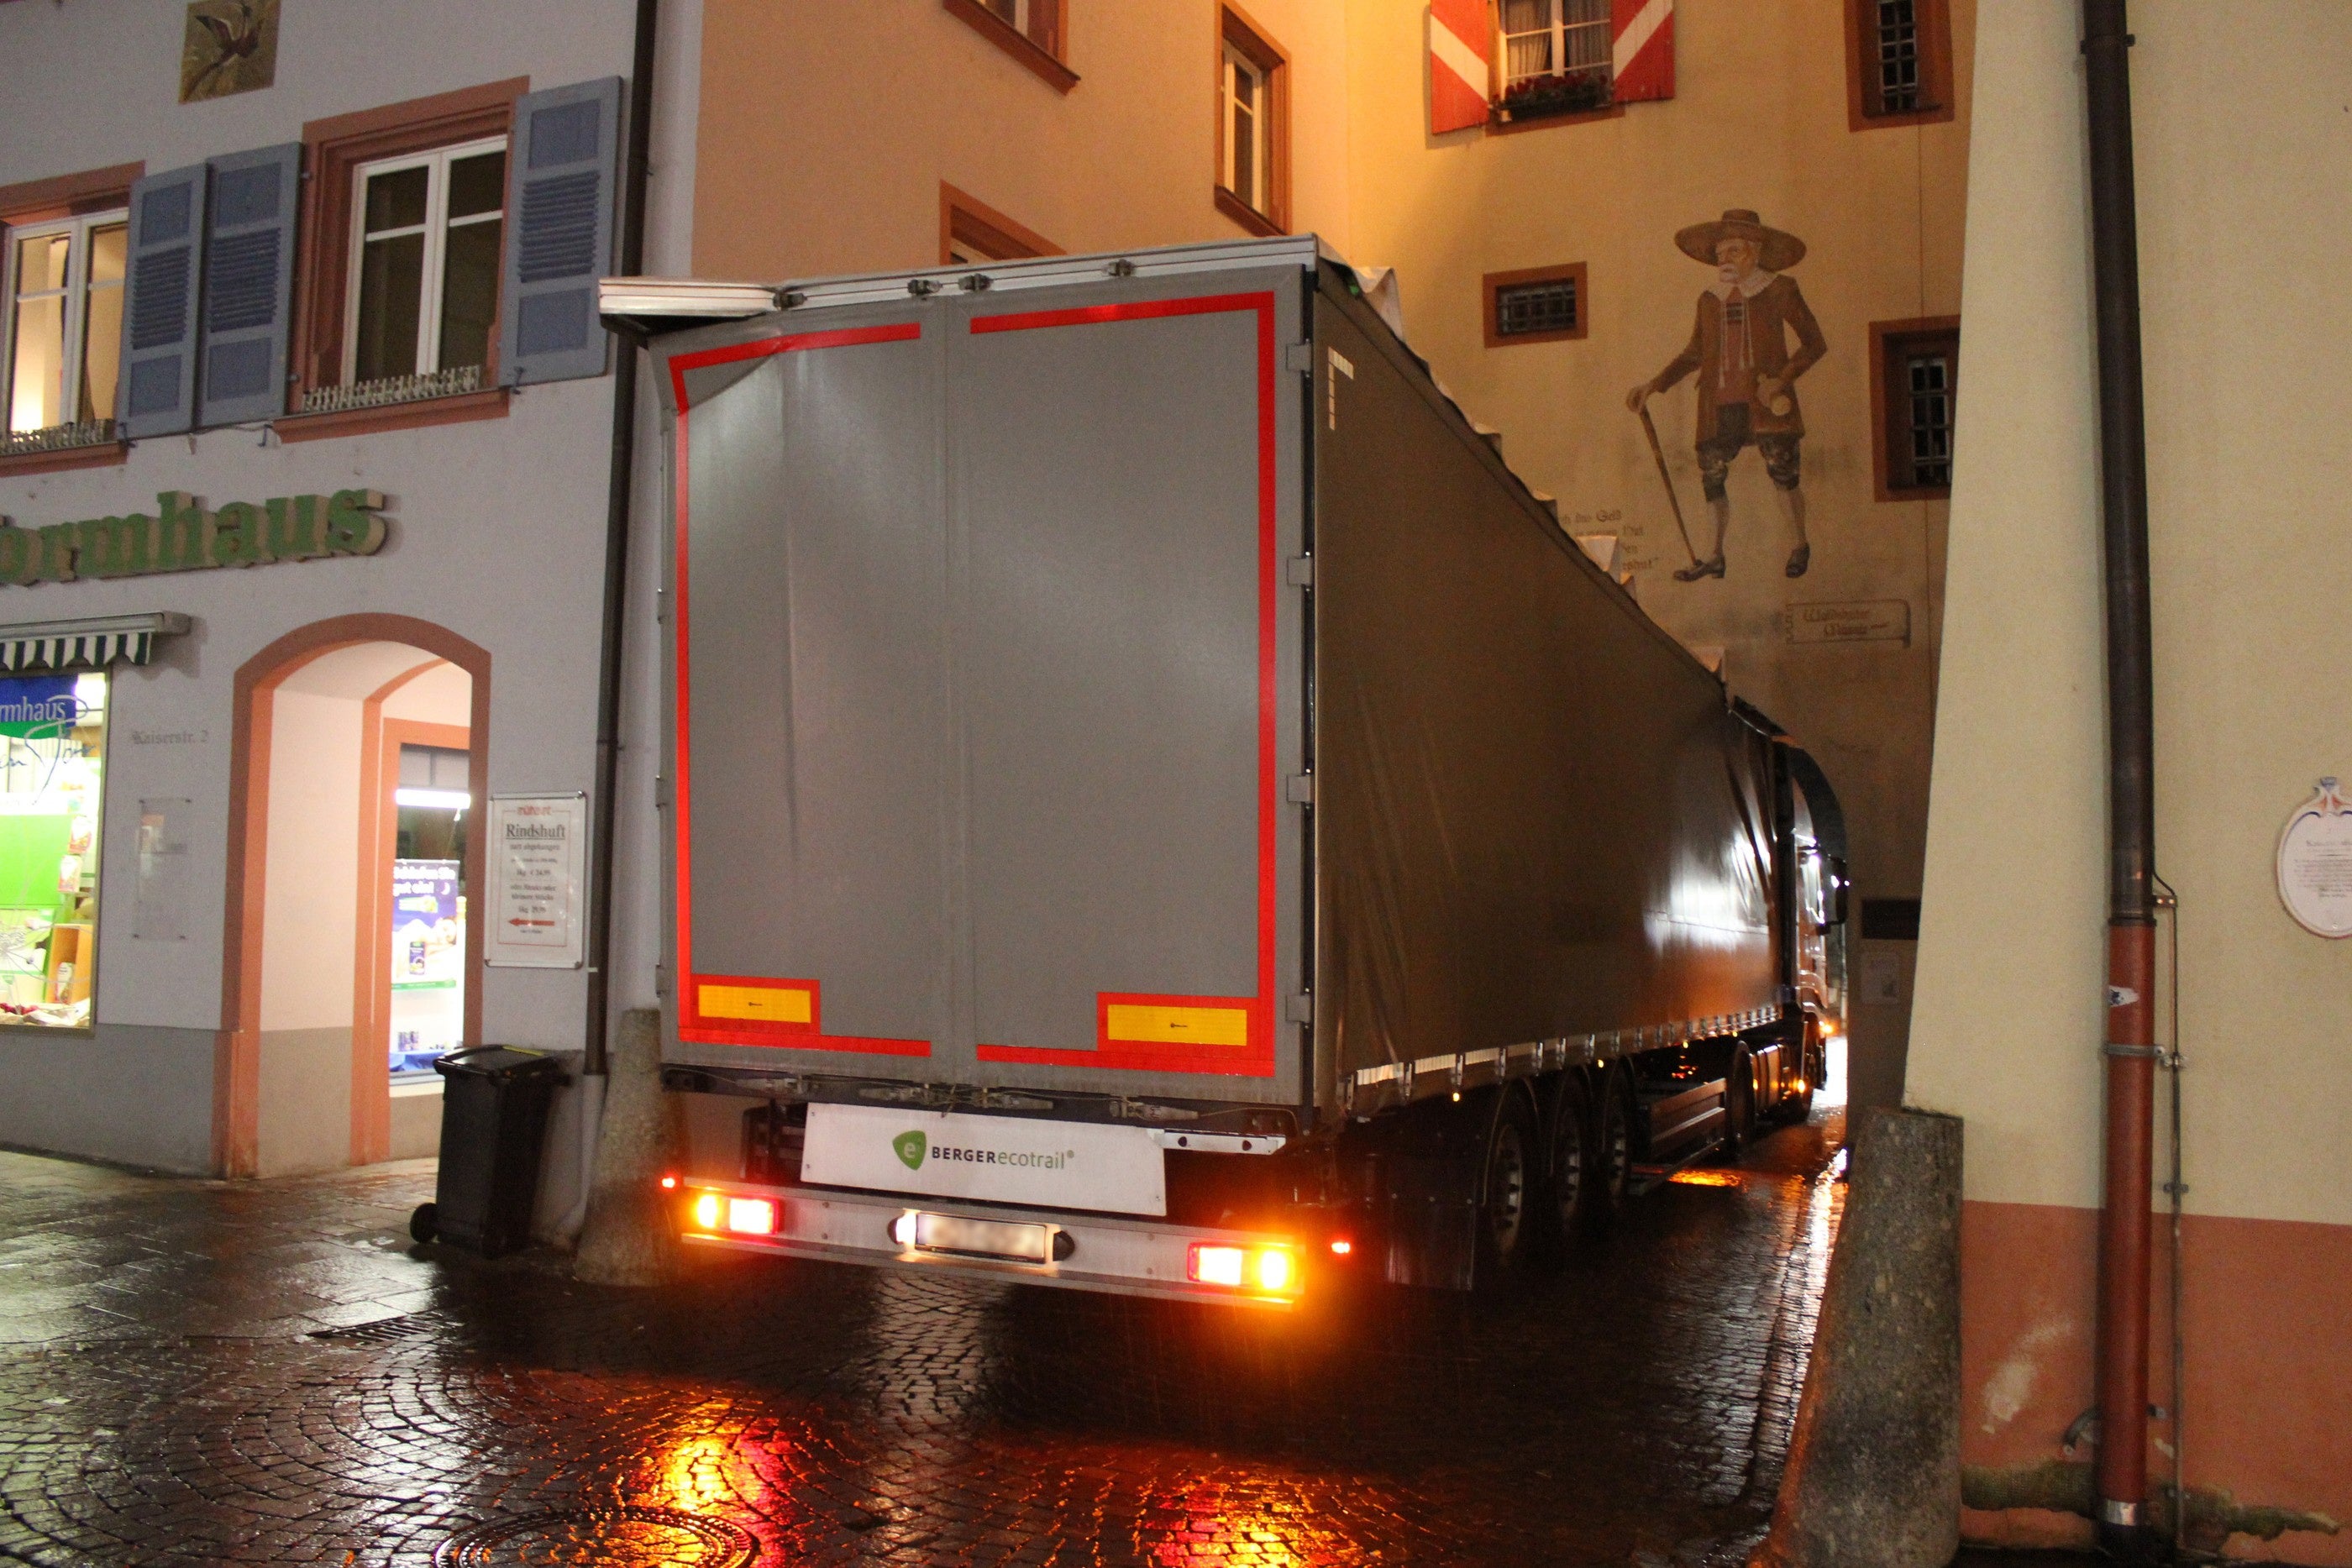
(383, 1330)
(625, 1537)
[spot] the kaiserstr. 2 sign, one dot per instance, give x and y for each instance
(182, 536)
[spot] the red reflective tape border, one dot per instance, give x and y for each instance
(1256, 1058)
(693, 1026)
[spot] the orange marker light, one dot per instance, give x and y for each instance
(669, 1183)
(707, 1211)
(750, 1217)
(1341, 1247)
(1273, 1269)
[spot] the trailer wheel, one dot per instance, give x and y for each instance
(1738, 1103)
(1612, 1142)
(1810, 1067)
(1507, 1189)
(1571, 1169)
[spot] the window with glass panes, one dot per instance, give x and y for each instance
(64, 325)
(1898, 61)
(1931, 417)
(1548, 38)
(1897, 28)
(423, 277)
(1248, 128)
(1916, 382)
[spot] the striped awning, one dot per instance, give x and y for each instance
(91, 643)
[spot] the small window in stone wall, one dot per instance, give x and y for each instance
(1539, 305)
(1915, 383)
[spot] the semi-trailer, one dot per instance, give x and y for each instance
(1154, 804)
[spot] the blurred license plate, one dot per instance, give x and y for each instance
(984, 1238)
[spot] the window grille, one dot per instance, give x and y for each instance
(1931, 420)
(1522, 308)
(1898, 57)
(386, 391)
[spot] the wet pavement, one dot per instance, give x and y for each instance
(198, 1372)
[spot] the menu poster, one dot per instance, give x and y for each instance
(429, 930)
(539, 865)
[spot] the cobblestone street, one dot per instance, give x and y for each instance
(196, 1372)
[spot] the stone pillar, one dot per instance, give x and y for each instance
(1873, 1477)
(628, 1239)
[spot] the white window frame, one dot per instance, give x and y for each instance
(1557, 31)
(76, 294)
(434, 228)
(1261, 112)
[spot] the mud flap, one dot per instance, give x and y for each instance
(1429, 1171)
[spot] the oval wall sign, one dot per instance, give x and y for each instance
(2315, 863)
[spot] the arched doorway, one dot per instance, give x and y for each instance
(341, 727)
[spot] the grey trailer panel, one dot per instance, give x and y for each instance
(1535, 816)
(1127, 674)
(986, 679)
(809, 601)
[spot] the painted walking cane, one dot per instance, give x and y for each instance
(1666, 479)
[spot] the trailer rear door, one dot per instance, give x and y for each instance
(985, 682)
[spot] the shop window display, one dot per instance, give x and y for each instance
(53, 727)
(428, 910)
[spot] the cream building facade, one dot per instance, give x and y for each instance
(2247, 479)
(935, 102)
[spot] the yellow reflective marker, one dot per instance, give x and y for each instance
(1176, 1025)
(766, 1004)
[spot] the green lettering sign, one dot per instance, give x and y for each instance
(183, 536)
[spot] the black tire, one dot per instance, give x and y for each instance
(1570, 1170)
(1810, 1066)
(1507, 1189)
(425, 1224)
(1613, 1145)
(1738, 1103)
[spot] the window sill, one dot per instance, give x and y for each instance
(1916, 493)
(1014, 42)
(1500, 126)
(1862, 120)
(1249, 217)
(458, 409)
(21, 1026)
(100, 454)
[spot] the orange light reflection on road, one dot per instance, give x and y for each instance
(1704, 1179)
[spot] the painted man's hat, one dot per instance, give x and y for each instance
(1781, 251)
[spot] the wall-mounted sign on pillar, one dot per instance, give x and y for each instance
(2314, 862)
(538, 892)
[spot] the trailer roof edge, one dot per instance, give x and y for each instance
(650, 305)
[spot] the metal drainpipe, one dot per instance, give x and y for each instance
(623, 478)
(2125, 1222)
(622, 474)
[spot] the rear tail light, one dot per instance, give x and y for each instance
(737, 1215)
(750, 1217)
(1266, 1270)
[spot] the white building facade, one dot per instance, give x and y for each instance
(307, 475)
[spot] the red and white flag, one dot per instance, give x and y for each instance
(1458, 44)
(1642, 49)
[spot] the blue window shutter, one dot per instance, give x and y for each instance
(561, 180)
(249, 297)
(157, 394)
